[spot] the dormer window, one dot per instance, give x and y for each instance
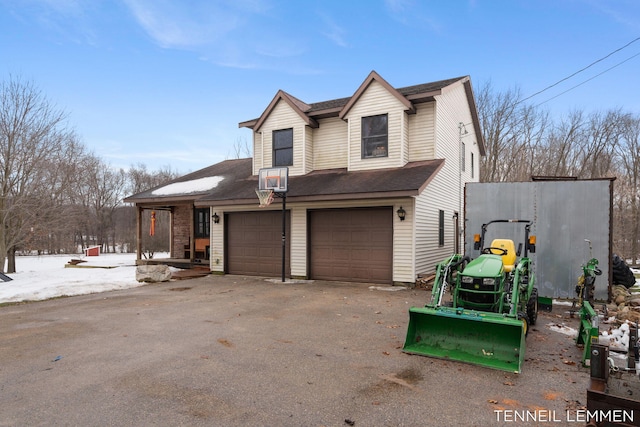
(283, 147)
(375, 136)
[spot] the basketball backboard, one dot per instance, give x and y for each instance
(275, 179)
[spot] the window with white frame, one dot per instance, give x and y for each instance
(463, 157)
(375, 138)
(283, 147)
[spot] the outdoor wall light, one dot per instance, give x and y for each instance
(216, 218)
(401, 213)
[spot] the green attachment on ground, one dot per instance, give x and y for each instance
(480, 338)
(589, 331)
(545, 303)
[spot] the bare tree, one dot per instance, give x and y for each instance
(32, 134)
(100, 193)
(241, 149)
(603, 133)
(499, 121)
(628, 185)
(139, 178)
(56, 233)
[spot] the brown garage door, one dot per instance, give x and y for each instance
(254, 243)
(351, 244)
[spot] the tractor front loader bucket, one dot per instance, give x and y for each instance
(479, 338)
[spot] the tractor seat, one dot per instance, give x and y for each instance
(508, 259)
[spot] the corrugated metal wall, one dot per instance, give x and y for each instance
(564, 214)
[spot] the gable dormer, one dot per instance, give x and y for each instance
(377, 125)
(282, 136)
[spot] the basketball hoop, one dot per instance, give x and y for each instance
(265, 196)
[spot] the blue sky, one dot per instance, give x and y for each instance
(166, 82)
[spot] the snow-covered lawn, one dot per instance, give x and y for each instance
(43, 277)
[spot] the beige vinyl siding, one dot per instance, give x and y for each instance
(404, 243)
(257, 152)
(446, 191)
(376, 100)
(452, 110)
(298, 243)
(282, 117)
(428, 206)
(422, 133)
(330, 144)
(216, 245)
(308, 150)
(404, 146)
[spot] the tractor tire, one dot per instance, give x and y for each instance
(525, 319)
(622, 274)
(532, 307)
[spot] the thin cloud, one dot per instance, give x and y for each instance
(333, 31)
(235, 34)
(619, 12)
(398, 6)
(70, 19)
(410, 13)
(172, 25)
(280, 48)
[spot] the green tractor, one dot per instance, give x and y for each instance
(492, 303)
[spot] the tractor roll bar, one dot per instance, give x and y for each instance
(529, 241)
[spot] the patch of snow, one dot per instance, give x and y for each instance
(616, 339)
(43, 277)
(186, 187)
(388, 288)
(558, 302)
(563, 329)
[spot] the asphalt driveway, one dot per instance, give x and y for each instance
(244, 351)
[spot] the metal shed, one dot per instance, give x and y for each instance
(564, 213)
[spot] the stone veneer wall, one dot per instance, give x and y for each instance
(182, 218)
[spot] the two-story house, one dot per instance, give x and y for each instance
(375, 185)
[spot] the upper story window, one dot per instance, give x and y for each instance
(283, 147)
(375, 142)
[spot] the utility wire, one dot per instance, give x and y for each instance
(579, 71)
(588, 80)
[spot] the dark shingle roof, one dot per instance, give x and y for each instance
(406, 91)
(231, 170)
(427, 87)
(239, 185)
(334, 184)
(335, 105)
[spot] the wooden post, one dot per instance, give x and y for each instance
(172, 254)
(139, 234)
(192, 243)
